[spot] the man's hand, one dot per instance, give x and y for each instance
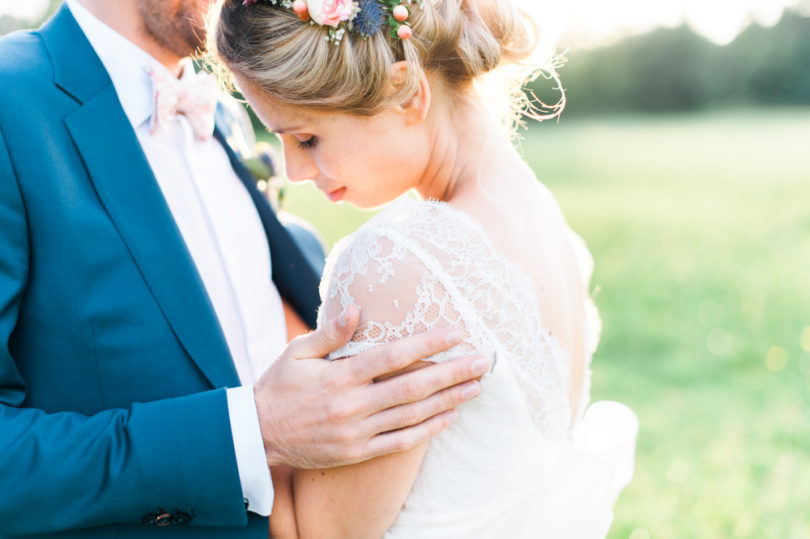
(315, 413)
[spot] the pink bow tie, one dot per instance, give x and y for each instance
(194, 97)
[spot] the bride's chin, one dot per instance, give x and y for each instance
(337, 195)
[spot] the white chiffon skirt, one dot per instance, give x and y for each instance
(568, 490)
(589, 476)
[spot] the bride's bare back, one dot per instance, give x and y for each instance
(525, 223)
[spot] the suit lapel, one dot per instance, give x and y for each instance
(295, 279)
(76, 68)
(132, 198)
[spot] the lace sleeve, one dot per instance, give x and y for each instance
(389, 276)
(424, 265)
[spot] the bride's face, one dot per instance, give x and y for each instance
(365, 160)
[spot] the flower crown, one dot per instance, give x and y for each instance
(365, 17)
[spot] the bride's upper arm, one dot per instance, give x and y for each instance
(396, 293)
(361, 500)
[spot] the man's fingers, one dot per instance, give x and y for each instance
(402, 440)
(395, 356)
(408, 415)
(419, 384)
(331, 336)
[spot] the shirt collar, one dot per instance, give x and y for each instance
(127, 64)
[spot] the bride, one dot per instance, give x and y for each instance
(375, 99)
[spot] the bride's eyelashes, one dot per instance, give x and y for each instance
(308, 144)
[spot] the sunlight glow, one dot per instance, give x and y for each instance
(590, 23)
(28, 10)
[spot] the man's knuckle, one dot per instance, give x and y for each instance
(354, 439)
(335, 330)
(324, 337)
(410, 415)
(434, 379)
(328, 383)
(355, 453)
(450, 397)
(403, 443)
(338, 411)
(409, 391)
(389, 358)
(331, 379)
(435, 427)
(346, 437)
(434, 344)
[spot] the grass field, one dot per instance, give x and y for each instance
(700, 226)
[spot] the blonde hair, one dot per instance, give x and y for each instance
(458, 40)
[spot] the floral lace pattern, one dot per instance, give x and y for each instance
(422, 265)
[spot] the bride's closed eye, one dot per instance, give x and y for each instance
(308, 144)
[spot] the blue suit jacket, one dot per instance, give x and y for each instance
(112, 362)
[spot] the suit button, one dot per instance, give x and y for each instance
(181, 519)
(163, 519)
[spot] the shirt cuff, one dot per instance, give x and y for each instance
(254, 474)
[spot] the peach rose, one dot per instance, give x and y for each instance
(330, 12)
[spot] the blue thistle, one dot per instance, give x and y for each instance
(370, 19)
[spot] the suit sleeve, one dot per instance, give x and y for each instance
(119, 466)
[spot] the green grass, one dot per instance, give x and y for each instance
(700, 227)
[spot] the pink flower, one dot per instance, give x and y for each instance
(330, 12)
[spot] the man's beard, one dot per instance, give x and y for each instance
(175, 25)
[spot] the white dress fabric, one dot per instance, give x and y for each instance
(511, 465)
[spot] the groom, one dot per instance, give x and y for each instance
(143, 280)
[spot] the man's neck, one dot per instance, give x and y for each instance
(123, 17)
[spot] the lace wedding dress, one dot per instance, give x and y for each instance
(511, 465)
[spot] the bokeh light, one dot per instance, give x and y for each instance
(776, 359)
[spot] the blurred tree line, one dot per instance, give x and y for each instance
(677, 70)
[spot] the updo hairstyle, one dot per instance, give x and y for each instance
(292, 61)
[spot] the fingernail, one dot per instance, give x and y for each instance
(471, 391)
(451, 417)
(480, 366)
(454, 337)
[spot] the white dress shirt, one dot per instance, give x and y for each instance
(223, 232)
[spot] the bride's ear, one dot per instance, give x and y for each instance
(416, 107)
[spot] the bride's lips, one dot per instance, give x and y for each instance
(336, 195)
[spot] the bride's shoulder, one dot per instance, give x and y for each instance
(410, 214)
(407, 238)
(406, 222)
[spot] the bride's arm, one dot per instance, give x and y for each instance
(282, 518)
(360, 500)
(355, 501)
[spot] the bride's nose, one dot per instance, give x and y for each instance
(298, 163)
